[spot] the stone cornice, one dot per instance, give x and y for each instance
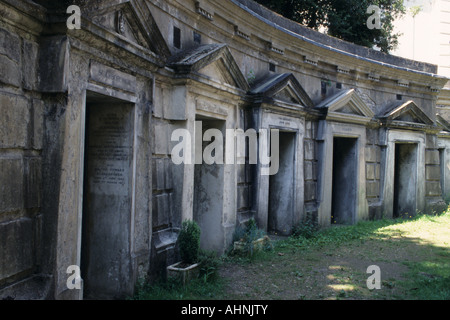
(298, 50)
(101, 38)
(360, 62)
(17, 13)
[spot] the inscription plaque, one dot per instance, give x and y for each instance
(112, 77)
(110, 153)
(106, 217)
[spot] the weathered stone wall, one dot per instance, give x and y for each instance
(21, 145)
(245, 177)
(263, 43)
(166, 211)
(444, 151)
(433, 187)
(311, 167)
(373, 176)
(443, 102)
(48, 79)
(316, 89)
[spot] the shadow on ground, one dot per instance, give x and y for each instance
(413, 256)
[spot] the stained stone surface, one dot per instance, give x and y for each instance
(86, 117)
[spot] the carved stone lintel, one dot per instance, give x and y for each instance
(120, 22)
(204, 12)
(241, 33)
(403, 83)
(276, 50)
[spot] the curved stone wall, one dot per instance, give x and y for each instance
(221, 74)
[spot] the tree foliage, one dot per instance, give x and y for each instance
(344, 19)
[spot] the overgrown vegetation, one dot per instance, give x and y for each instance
(413, 253)
(307, 235)
(189, 242)
(248, 236)
(248, 233)
(171, 289)
(429, 280)
(208, 285)
(307, 229)
(209, 266)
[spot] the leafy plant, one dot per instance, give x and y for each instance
(251, 77)
(344, 19)
(189, 242)
(251, 225)
(308, 229)
(249, 234)
(209, 265)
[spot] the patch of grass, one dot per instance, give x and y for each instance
(362, 231)
(255, 257)
(421, 242)
(207, 286)
(428, 280)
(331, 264)
(307, 229)
(209, 265)
(171, 289)
(336, 235)
(428, 277)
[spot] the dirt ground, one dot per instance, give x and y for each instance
(332, 272)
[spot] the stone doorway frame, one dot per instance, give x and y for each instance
(96, 100)
(130, 100)
(213, 240)
(274, 218)
(69, 252)
(343, 182)
(289, 124)
(329, 130)
(392, 137)
(444, 147)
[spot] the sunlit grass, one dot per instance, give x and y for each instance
(420, 244)
(172, 289)
(428, 278)
(430, 229)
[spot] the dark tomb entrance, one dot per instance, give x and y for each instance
(405, 179)
(345, 164)
(281, 188)
(107, 198)
(209, 185)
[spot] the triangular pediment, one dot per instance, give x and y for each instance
(133, 21)
(283, 88)
(219, 72)
(443, 124)
(408, 112)
(347, 106)
(214, 61)
(288, 94)
(408, 116)
(350, 108)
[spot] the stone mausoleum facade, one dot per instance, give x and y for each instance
(87, 116)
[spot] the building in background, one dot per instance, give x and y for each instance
(425, 30)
